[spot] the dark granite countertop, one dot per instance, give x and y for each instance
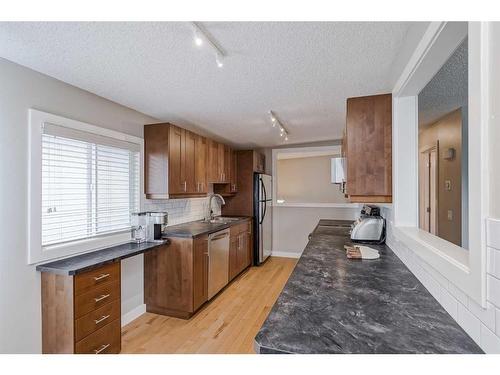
(332, 304)
(85, 262)
(197, 228)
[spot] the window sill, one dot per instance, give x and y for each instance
(60, 251)
(434, 250)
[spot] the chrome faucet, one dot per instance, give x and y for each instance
(210, 213)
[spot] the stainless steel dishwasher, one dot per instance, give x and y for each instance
(218, 261)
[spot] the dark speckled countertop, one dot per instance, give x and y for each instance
(332, 304)
(88, 261)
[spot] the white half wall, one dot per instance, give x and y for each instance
(292, 226)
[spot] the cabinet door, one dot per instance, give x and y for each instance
(234, 172)
(175, 163)
(233, 257)
(226, 174)
(213, 171)
(243, 258)
(156, 160)
(221, 158)
(369, 145)
(189, 163)
(201, 164)
(200, 272)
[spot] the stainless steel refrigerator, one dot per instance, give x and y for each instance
(263, 217)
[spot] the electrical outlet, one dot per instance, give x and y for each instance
(450, 215)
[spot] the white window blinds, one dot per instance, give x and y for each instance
(90, 184)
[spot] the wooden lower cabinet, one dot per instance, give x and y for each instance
(176, 275)
(240, 251)
(82, 313)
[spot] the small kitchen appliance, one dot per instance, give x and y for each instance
(370, 227)
(139, 224)
(157, 224)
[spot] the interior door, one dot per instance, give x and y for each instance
(428, 190)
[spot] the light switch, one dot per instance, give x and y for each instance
(447, 185)
(450, 215)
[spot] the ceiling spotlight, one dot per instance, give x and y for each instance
(218, 60)
(198, 40)
(201, 36)
(286, 138)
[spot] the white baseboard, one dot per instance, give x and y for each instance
(286, 254)
(133, 314)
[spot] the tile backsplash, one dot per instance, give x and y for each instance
(182, 210)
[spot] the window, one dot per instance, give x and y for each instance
(88, 184)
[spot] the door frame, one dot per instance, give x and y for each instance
(428, 150)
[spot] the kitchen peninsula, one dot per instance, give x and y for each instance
(332, 304)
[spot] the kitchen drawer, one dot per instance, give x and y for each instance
(96, 298)
(106, 340)
(237, 229)
(87, 281)
(97, 319)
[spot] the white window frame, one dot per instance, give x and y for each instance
(36, 252)
(466, 269)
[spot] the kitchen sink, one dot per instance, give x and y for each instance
(222, 220)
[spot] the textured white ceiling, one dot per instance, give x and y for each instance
(303, 71)
(447, 90)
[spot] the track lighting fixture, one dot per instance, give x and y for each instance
(201, 36)
(274, 121)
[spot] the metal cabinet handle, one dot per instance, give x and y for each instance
(185, 186)
(102, 319)
(104, 296)
(101, 349)
(100, 277)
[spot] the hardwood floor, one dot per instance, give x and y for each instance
(227, 324)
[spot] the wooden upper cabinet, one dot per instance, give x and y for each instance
(172, 169)
(228, 156)
(189, 163)
(201, 155)
(368, 148)
(221, 159)
(213, 171)
(176, 175)
(156, 163)
(180, 164)
(218, 167)
(234, 173)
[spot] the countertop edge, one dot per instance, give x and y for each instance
(45, 267)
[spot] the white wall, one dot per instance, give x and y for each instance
(21, 89)
(307, 179)
(292, 226)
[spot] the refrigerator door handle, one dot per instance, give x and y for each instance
(263, 189)
(264, 214)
